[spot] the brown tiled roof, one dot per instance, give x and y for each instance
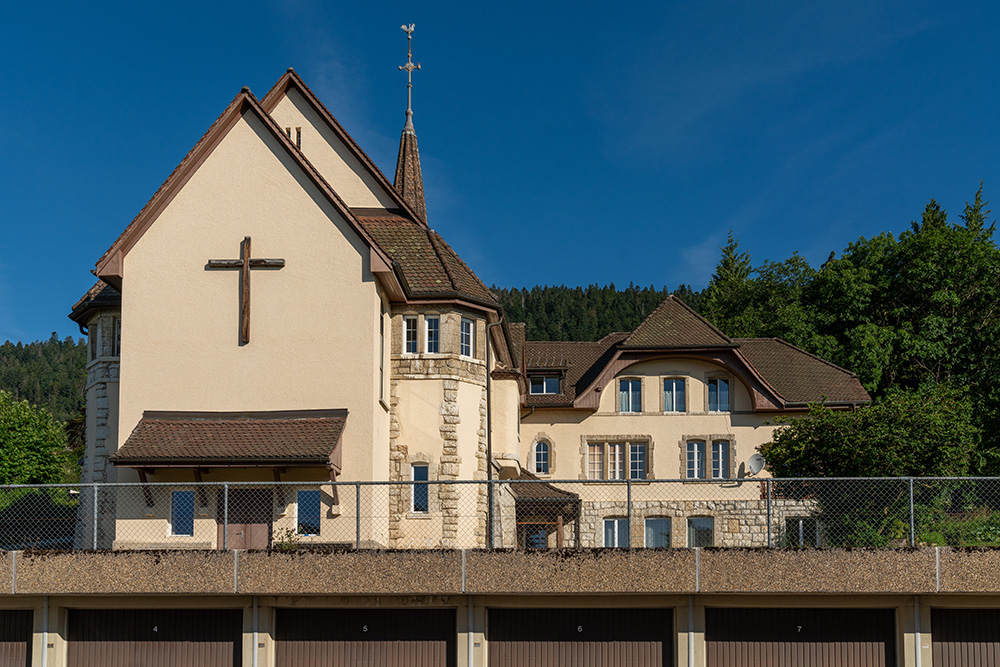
(798, 376)
(304, 437)
(429, 267)
(674, 324)
(101, 295)
(539, 490)
(578, 362)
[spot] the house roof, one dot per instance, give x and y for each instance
(536, 489)
(578, 363)
(791, 375)
(673, 324)
(285, 438)
(429, 266)
(101, 295)
(801, 377)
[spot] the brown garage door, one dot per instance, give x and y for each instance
(15, 638)
(799, 637)
(152, 637)
(966, 637)
(571, 637)
(391, 637)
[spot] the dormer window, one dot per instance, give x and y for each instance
(718, 395)
(544, 384)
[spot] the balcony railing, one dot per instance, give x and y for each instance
(748, 512)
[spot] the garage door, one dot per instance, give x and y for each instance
(571, 637)
(153, 637)
(966, 637)
(799, 637)
(333, 637)
(15, 638)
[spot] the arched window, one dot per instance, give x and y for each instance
(542, 457)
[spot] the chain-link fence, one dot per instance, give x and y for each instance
(519, 513)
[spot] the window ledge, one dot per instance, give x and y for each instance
(419, 515)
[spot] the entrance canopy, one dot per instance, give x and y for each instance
(287, 438)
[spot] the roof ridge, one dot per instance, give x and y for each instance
(434, 238)
(671, 298)
(461, 261)
(311, 97)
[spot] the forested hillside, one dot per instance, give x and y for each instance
(585, 313)
(51, 374)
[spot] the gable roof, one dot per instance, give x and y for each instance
(291, 79)
(675, 325)
(801, 377)
(786, 376)
(110, 266)
(306, 437)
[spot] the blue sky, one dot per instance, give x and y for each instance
(562, 143)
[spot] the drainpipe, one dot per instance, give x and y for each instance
(489, 434)
(254, 652)
(45, 630)
(916, 628)
(690, 631)
(469, 633)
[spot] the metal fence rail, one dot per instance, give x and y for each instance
(525, 514)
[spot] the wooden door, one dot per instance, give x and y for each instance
(251, 518)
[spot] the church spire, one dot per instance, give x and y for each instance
(409, 182)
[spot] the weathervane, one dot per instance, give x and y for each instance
(409, 67)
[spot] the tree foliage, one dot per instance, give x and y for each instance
(584, 313)
(33, 445)
(50, 373)
(926, 432)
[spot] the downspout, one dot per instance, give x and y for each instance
(45, 630)
(916, 628)
(690, 631)
(469, 633)
(489, 434)
(253, 653)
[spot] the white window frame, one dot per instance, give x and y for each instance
(427, 334)
(615, 458)
(536, 452)
(410, 337)
(631, 408)
(617, 522)
(672, 408)
(721, 459)
(719, 409)
(694, 452)
(546, 387)
(467, 328)
(422, 484)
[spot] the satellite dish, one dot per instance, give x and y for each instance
(755, 464)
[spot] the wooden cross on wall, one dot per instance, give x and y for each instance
(244, 264)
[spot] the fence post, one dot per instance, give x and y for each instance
(357, 515)
(767, 494)
(628, 485)
(913, 533)
(225, 516)
(94, 513)
(489, 513)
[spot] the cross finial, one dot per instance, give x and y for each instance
(409, 67)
